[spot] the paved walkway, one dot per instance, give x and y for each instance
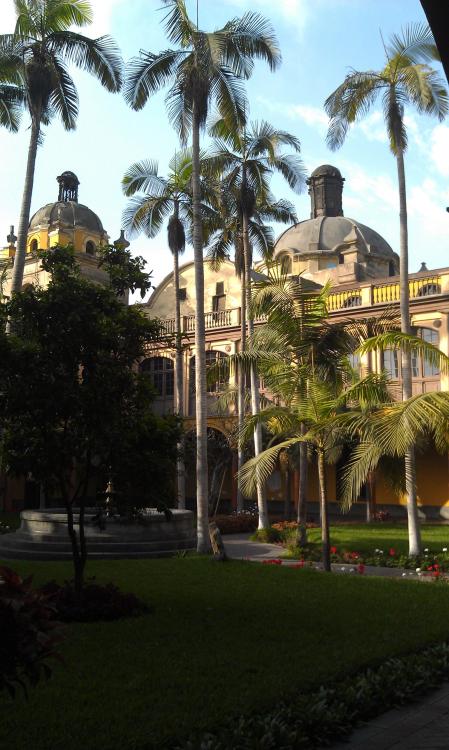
(239, 547)
(419, 726)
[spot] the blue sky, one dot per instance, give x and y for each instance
(320, 40)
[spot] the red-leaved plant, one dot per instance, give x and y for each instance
(29, 633)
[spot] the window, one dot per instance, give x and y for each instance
(420, 368)
(211, 358)
(90, 247)
(33, 246)
(182, 294)
(161, 372)
(391, 363)
(219, 288)
(354, 361)
(432, 337)
(354, 300)
(391, 268)
(428, 289)
(219, 303)
(341, 259)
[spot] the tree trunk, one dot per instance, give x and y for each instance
(179, 383)
(24, 219)
(301, 538)
(324, 521)
(255, 397)
(76, 556)
(241, 391)
(202, 505)
(414, 533)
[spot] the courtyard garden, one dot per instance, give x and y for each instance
(219, 641)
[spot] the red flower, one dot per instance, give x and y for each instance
(333, 550)
(299, 564)
(361, 568)
(392, 552)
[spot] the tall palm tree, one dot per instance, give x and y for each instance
(229, 238)
(406, 79)
(205, 67)
(153, 199)
(247, 158)
(34, 77)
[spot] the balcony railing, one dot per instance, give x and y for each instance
(423, 287)
(364, 296)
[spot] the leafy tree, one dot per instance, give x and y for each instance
(73, 408)
(34, 77)
(247, 158)
(405, 80)
(205, 68)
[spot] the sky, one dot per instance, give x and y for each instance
(320, 40)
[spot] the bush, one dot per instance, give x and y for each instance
(269, 536)
(96, 603)
(237, 523)
(28, 630)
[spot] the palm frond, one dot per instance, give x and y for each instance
(147, 74)
(59, 15)
(100, 57)
(246, 39)
(64, 96)
(398, 340)
(259, 469)
(143, 175)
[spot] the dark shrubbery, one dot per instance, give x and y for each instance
(237, 523)
(96, 602)
(28, 631)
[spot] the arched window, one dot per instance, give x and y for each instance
(90, 247)
(354, 300)
(391, 268)
(286, 264)
(161, 372)
(341, 259)
(428, 289)
(33, 246)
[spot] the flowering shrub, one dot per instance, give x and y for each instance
(28, 630)
(382, 515)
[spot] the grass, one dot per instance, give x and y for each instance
(365, 538)
(224, 639)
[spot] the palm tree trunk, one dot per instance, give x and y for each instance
(414, 533)
(24, 219)
(241, 391)
(179, 384)
(301, 538)
(202, 505)
(255, 397)
(324, 520)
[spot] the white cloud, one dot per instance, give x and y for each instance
(373, 127)
(439, 149)
(103, 10)
(313, 116)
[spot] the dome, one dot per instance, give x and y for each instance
(325, 234)
(68, 214)
(326, 169)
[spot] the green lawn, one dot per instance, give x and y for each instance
(223, 639)
(365, 538)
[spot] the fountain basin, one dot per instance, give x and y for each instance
(43, 535)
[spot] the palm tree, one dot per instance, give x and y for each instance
(247, 158)
(228, 238)
(153, 199)
(34, 77)
(295, 350)
(405, 79)
(205, 67)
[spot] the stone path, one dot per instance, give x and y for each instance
(423, 726)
